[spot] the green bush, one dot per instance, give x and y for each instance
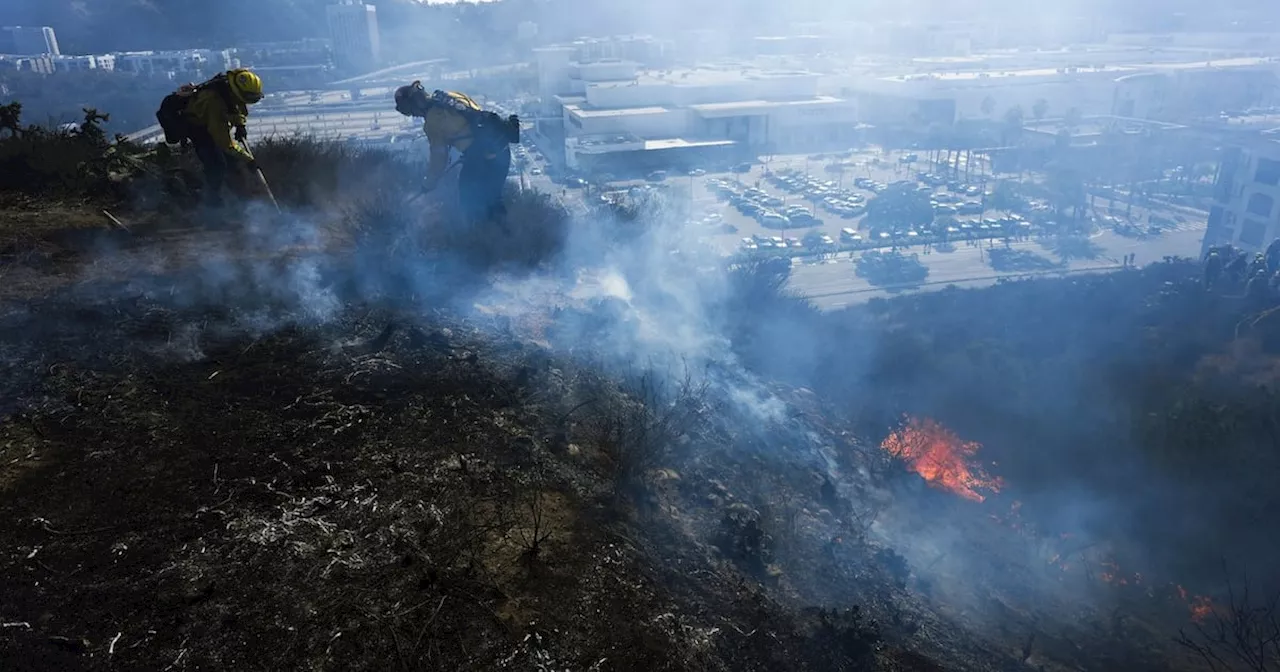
(72, 161)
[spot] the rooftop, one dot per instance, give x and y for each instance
(1130, 68)
(675, 143)
(577, 110)
(629, 142)
(606, 140)
(704, 76)
(1097, 125)
(815, 100)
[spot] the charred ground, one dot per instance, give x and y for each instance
(283, 460)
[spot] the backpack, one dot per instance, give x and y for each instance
(484, 123)
(171, 115)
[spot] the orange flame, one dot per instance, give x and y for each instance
(941, 457)
(1201, 608)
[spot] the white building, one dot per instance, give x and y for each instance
(195, 62)
(63, 64)
(1087, 83)
(353, 28)
(1246, 195)
(40, 64)
(1206, 89)
(613, 111)
(1232, 42)
(24, 41)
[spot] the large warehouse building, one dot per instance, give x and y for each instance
(1124, 81)
(612, 112)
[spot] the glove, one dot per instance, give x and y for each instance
(241, 133)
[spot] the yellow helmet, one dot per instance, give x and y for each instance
(245, 85)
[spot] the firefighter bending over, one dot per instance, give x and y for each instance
(212, 116)
(454, 120)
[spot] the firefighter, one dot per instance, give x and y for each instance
(1213, 264)
(1257, 290)
(214, 115)
(452, 120)
(1237, 264)
(1272, 255)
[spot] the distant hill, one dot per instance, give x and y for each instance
(92, 26)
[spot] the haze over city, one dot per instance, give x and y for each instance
(612, 336)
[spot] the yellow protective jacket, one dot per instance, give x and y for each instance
(446, 128)
(209, 110)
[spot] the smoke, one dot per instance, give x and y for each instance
(662, 301)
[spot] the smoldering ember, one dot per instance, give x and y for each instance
(837, 349)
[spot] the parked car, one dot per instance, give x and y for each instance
(774, 220)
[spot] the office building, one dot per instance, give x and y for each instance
(1246, 194)
(353, 29)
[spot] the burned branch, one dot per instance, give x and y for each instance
(1242, 635)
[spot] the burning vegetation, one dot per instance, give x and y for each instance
(461, 492)
(941, 458)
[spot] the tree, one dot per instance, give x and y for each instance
(936, 140)
(1062, 140)
(1005, 196)
(988, 106)
(1073, 117)
(899, 207)
(11, 118)
(1039, 109)
(1014, 118)
(1067, 187)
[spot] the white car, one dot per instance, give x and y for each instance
(697, 172)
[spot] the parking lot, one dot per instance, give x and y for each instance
(805, 205)
(809, 204)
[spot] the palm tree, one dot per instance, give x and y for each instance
(1067, 187)
(1014, 118)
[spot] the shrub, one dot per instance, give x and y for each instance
(533, 232)
(307, 172)
(637, 430)
(66, 161)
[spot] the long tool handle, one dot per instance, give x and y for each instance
(262, 179)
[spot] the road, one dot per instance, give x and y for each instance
(831, 284)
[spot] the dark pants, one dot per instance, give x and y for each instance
(215, 165)
(481, 181)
